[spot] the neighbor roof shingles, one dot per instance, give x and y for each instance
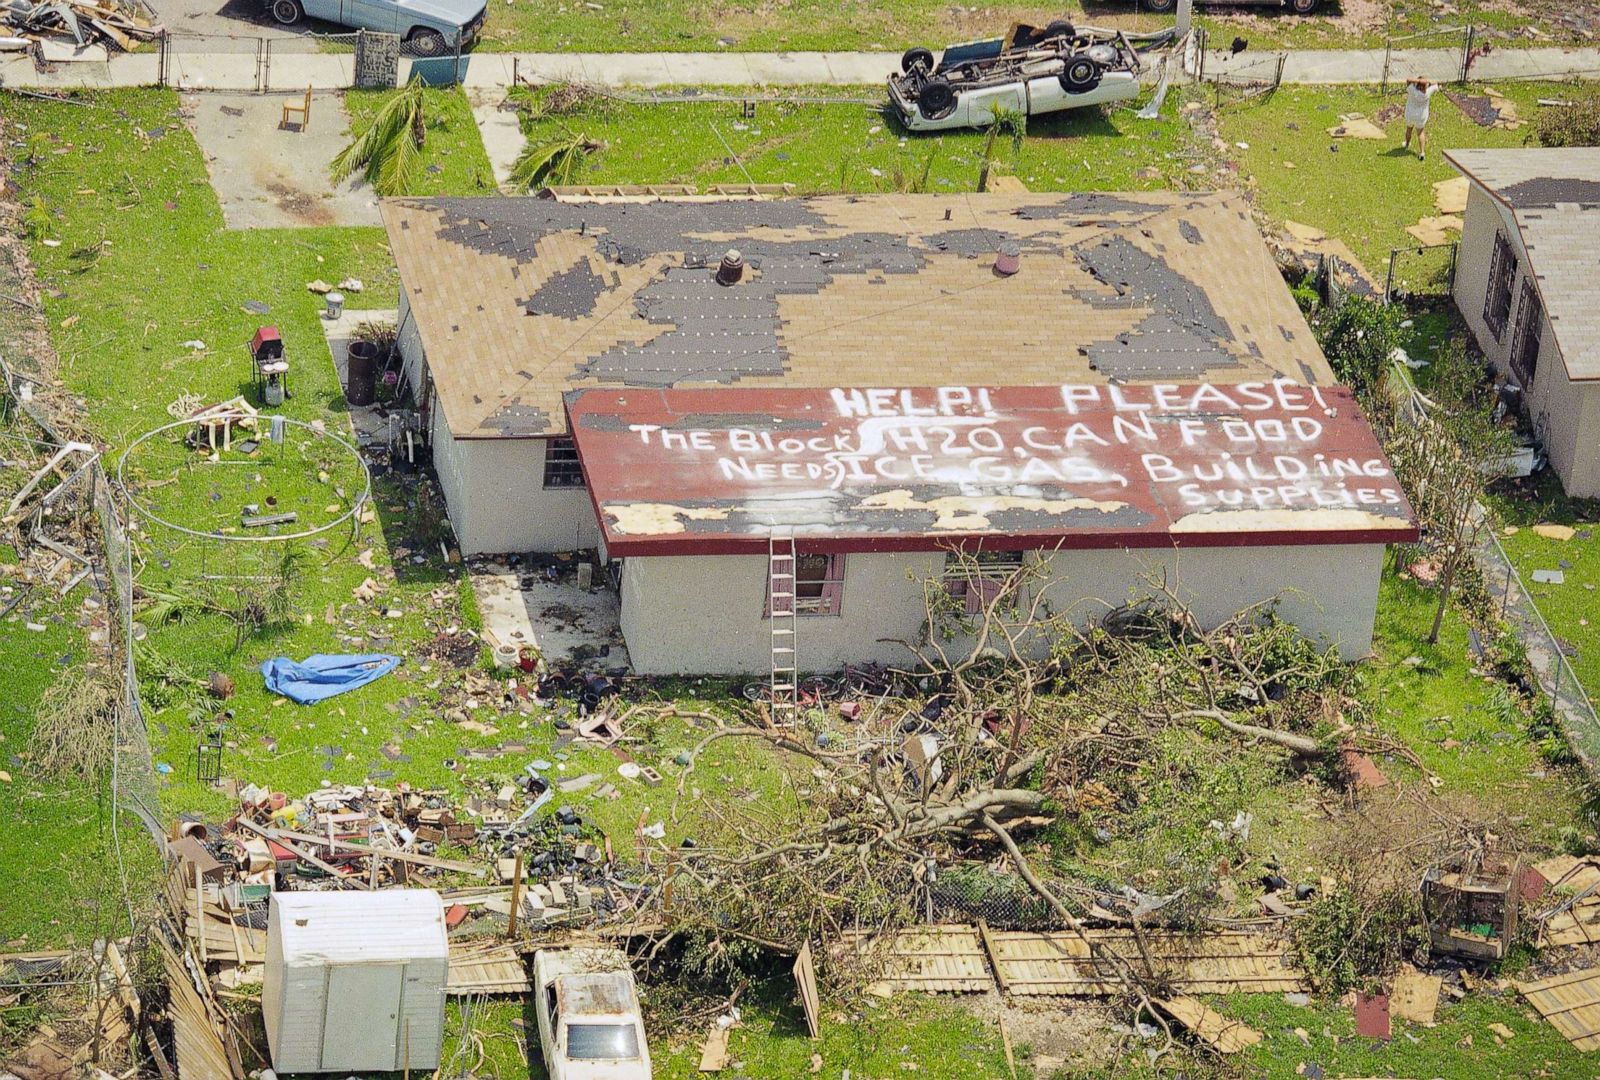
(518, 300)
(1553, 194)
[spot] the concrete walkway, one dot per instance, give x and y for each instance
(500, 130)
(198, 70)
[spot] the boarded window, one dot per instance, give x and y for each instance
(977, 586)
(1502, 273)
(818, 585)
(561, 468)
(1530, 324)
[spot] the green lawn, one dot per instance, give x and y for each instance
(806, 25)
(1363, 191)
(858, 147)
(58, 870)
(1570, 608)
(1534, 1050)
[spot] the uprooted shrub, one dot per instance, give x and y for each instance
(74, 735)
(1577, 124)
(1359, 932)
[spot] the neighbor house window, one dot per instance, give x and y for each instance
(561, 468)
(1502, 272)
(818, 586)
(977, 585)
(1530, 324)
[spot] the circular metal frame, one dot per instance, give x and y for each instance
(350, 515)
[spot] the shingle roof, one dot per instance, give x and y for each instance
(518, 300)
(1554, 196)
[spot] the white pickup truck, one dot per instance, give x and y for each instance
(1031, 71)
(590, 1026)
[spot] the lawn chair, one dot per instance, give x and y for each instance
(303, 109)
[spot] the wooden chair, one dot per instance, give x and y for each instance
(304, 110)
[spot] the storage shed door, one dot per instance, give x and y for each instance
(361, 1028)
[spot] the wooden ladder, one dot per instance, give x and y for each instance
(785, 686)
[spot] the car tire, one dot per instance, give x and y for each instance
(1060, 28)
(935, 99)
(287, 12)
(426, 42)
(1160, 7)
(917, 57)
(1081, 75)
(1303, 7)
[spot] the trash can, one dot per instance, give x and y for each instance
(361, 381)
(335, 306)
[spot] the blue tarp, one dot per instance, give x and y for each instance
(320, 677)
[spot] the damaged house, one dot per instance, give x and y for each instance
(1528, 284)
(801, 407)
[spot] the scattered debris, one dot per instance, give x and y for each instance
(1550, 577)
(1555, 532)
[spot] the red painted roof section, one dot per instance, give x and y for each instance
(715, 471)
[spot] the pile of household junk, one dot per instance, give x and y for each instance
(553, 870)
(62, 30)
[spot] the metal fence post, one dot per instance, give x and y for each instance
(1383, 84)
(161, 60)
(1466, 51)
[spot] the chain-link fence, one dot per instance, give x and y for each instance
(1401, 59)
(359, 59)
(1425, 273)
(1257, 74)
(133, 780)
(1547, 653)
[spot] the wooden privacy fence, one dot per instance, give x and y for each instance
(972, 959)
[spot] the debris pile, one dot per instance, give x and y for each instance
(554, 870)
(63, 29)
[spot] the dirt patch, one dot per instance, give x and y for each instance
(455, 650)
(305, 208)
(1052, 1034)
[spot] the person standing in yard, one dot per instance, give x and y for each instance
(1419, 92)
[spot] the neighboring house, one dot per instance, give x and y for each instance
(1528, 283)
(1113, 385)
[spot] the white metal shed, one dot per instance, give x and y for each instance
(355, 981)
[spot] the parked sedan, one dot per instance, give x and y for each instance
(1030, 70)
(429, 27)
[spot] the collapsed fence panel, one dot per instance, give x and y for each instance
(967, 959)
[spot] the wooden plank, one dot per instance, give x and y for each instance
(994, 963)
(300, 853)
(1224, 1035)
(384, 853)
(805, 977)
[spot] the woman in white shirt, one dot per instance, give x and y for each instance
(1418, 94)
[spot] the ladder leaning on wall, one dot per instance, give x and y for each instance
(785, 685)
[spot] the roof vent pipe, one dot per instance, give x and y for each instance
(732, 268)
(1009, 261)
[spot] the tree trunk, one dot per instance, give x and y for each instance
(1446, 580)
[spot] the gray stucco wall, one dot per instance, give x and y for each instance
(692, 614)
(497, 498)
(495, 487)
(1565, 414)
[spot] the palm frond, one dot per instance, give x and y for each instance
(556, 160)
(389, 148)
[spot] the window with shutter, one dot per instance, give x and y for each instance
(1502, 274)
(1530, 326)
(561, 468)
(818, 585)
(977, 586)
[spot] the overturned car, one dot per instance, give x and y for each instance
(1030, 70)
